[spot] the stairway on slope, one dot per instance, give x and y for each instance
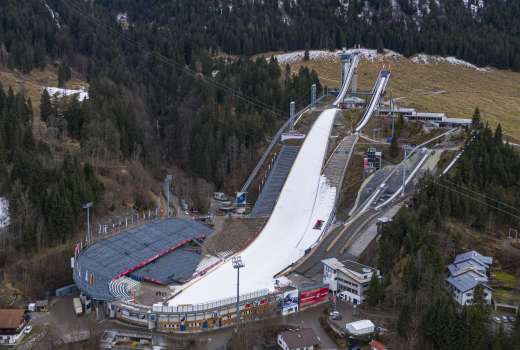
(275, 181)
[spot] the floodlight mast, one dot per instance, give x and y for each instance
(88, 206)
(237, 263)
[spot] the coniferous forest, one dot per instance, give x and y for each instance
(415, 249)
(177, 83)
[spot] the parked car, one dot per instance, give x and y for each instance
(28, 329)
(505, 319)
(335, 315)
(497, 319)
(511, 319)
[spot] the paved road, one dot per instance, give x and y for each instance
(312, 267)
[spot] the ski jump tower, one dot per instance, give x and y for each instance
(346, 61)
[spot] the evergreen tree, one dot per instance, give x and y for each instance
(394, 148)
(64, 74)
(476, 123)
(45, 106)
(375, 292)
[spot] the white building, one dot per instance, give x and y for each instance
(303, 339)
(349, 279)
(12, 325)
(468, 271)
(359, 328)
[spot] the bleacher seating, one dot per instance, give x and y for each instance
(123, 288)
(96, 266)
(275, 181)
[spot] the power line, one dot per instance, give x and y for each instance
(482, 195)
(183, 68)
(477, 200)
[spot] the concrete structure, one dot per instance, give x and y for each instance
(349, 279)
(359, 328)
(468, 271)
(437, 119)
(303, 339)
(12, 325)
(372, 161)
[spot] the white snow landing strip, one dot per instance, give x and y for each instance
(304, 198)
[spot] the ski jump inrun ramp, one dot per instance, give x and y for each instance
(305, 198)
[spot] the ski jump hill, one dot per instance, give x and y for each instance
(305, 198)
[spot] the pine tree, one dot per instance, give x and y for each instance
(394, 148)
(375, 292)
(476, 123)
(64, 74)
(45, 106)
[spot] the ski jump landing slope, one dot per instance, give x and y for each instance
(305, 197)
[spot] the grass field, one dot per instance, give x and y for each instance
(33, 83)
(439, 87)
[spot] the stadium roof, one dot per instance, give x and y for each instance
(133, 251)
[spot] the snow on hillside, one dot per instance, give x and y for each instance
(323, 55)
(4, 212)
(372, 55)
(429, 59)
(53, 14)
(54, 91)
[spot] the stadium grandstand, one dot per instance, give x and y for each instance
(163, 252)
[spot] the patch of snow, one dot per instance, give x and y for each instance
(53, 14)
(430, 59)
(323, 55)
(474, 6)
(59, 92)
(122, 19)
(4, 212)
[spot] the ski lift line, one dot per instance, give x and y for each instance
(467, 189)
(476, 200)
(175, 64)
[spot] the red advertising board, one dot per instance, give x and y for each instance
(313, 296)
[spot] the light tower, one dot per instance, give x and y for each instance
(405, 149)
(237, 264)
(168, 180)
(313, 95)
(292, 113)
(88, 206)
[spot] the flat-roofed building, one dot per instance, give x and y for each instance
(348, 279)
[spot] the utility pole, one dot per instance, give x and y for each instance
(237, 264)
(405, 149)
(392, 113)
(292, 113)
(168, 180)
(313, 95)
(88, 206)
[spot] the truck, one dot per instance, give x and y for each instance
(78, 307)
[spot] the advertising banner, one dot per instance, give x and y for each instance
(313, 296)
(290, 302)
